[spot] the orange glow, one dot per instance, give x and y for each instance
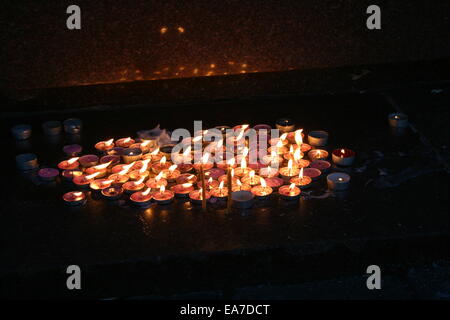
(290, 164)
(146, 192)
(163, 30)
(78, 194)
(162, 189)
(180, 29)
(145, 143)
(159, 176)
(145, 166)
(92, 176)
(279, 144)
(210, 180)
(155, 152)
(187, 185)
(238, 182)
(298, 137)
(243, 163)
(245, 152)
(73, 160)
(187, 151)
(102, 166)
(232, 173)
(172, 168)
(137, 182)
(109, 142)
(205, 158)
(300, 175)
(252, 174)
(221, 185)
(163, 160)
(263, 182)
(283, 136)
(297, 155)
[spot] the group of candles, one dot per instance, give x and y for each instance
(147, 173)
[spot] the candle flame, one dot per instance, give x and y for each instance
(245, 126)
(238, 182)
(210, 180)
(144, 166)
(231, 162)
(144, 143)
(221, 185)
(291, 187)
(205, 158)
(92, 176)
(200, 193)
(300, 175)
(172, 168)
(191, 177)
(102, 166)
(298, 137)
(187, 151)
(77, 194)
(126, 140)
(146, 192)
(240, 135)
(290, 164)
(159, 176)
(163, 160)
(297, 155)
(197, 138)
(263, 182)
(291, 149)
(139, 181)
(219, 144)
(245, 152)
(109, 142)
(162, 189)
(279, 144)
(243, 163)
(155, 152)
(283, 136)
(187, 185)
(232, 173)
(73, 160)
(252, 174)
(106, 181)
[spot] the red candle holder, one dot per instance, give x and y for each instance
(343, 157)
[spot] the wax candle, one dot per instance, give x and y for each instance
(220, 192)
(285, 125)
(48, 174)
(318, 154)
(84, 180)
(52, 128)
(299, 161)
(278, 149)
(182, 190)
(161, 165)
(186, 178)
(171, 174)
(142, 172)
(73, 126)
(157, 182)
(133, 186)
(185, 167)
(290, 171)
(101, 169)
(99, 184)
(343, 157)
(163, 196)
(268, 172)
(144, 145)
(125, 142)
(68, 175)
(242, 199)
(281, 141)
(124, 167)
(274, 182)
(195, 196)
(69, 164)
(251, 179)
(112, 159)
(226, 160)
(74, 198)
(155, 156)
(273, 159)
(224, 178)
(322, 165)
(243, 170)
(205, 163)
(338, 181)
(313, 173)
(301, 180)
(119, 178)
(295, 136)
(261, 191)
(142, 198)
(112, 193)
(21, 131)
(131, 154)
(88, 160)
(27, 161)
(104, 145)
(209, 184)
(238, 186)
(72, 150)
(398, 120)
(289, 193)
(318, 138)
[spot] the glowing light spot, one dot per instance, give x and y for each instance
(163, 30)
(180, 29)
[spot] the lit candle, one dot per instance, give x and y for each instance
(163, 196)
(238, 186)
(104, 145)
(294, 135)
(224, 163)
(301, 181)
(171, 174)
(313, 173)
(318, 154)
(154, 156)
(144, 145)
(209, 184)
(142, 172)
(224, 177)
(131, 154)
(243, 170)
(261, 191)
(195, 196)
(112, 193)
(268, 172)
(102, 169)
(289, 193)
(290, 171)
(186, 178)
(88, 160)
(99, 184)
(338, 181)
(205, 163)
(274, 182)
(251, 179)
(273, 159)
(278, 148)
(281, 141)
(182, 190)
(156, 182)
(70, 164)
(84, 180)
(48, 174)
(161, 165)
(134, 186)
(285, 125)
(125, 142)
(318, 138)
(398, 120)
(299, 161)
(141, 198)
(74, 198)
(121, 167)
(343, 157)
(220, 192)
(112, 159)
(68, 175)
(298, 137)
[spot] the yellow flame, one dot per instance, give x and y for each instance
(240, 135)
(191, 177)
(102, 166)
(342, 151)
(187, 185)
(145, 166)
(252, 174)
(205, 158)
(263, 182)
(77, 194)
(245, 126)
(180, 29)
(172, 168)
(144, 143)
(300, 175)
(243, 163)
(291, 149)
(162, 189)
(290, 164)
(297, 155)
(92, 176)
(210, 180)
(139, 181)
(73, 160)
(298, 137)
(126, 140)
(163, 30)
(197, 138)
(155, 152)
(245, 152)
(221, 185)
(238, 182)
(163, 160)
(284, 136)
(146, 192)
(109, 142)
(159, 176)
(279, 144)
(187, 151)
(232, 173)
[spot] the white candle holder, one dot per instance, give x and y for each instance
(338, 181)
(318, 138)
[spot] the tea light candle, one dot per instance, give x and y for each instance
(195, 196)
(70, 164)
(278, 148)
(318, 154)
(186, 178)
(285, 125)
(21, 131)
(124, 168)
(166, 150)
(68, 175)
(214, 173)
(163, 196)
(52, 128)
(289, 193)
(185, 167)
(209, 184)
(301, 181)
(26, 161)
(206, 165)
(74, 198)
(313, 173)
(88, 160)
(73, 126)
(257, 166)
(142, 172)
(72, 149)
(112, 159)
(273, 159)
(274, 182)
(161, 165)
(262, 191)
(48, 174)
(112, 193)
(157, 182)
(144, 145)
(281, 141)
(103, 146)
(227, 160)
(321, 165)
(182, 190)
(296, 136)
(171, 174)
(119, 178)
(268, 172)
(131, 154)
(338, 181)
(343, 157)
(133, 186)
(318, 138)
(238, 186)
(251, 179)
(224, 178)
(124, 142)
(220, 192)
(99, 184)
(142, 198)
(116, 151)
(154, 156)
(243, 170)
(242, 199)
(290, 171)
(101, 169)
(398, 120)
(84, 180)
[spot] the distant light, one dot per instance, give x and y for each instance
(163, 30)
(180, 29)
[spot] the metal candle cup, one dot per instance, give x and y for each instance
(261, 192)
(142, 198)
(72, 150)
(133, 186)
(83, 181)
(318, 138)
(182, 190)
(241, 187)
(112, 193)
(21, 131)
(313, 173)
(343, 157)
(73, 126)
(119, 178)
(68, 175)
(99, 184)
(131, 154)
(138, 174)
(289, 193)
(274, 182)
(88, 160)
(195, 196)
(338, 181)
(318, 154)
(163, 197)
(251, 179)
(220, 193)
(301, 182)
(242, 199)
(74, 198)
(398, 120)
(27, 161)
(186, 178)
(170, 175)
(52, 128)
(287, 173)
(48, 174)
(268, 172)
(70, 164)
(124, 142)
(285, 125)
